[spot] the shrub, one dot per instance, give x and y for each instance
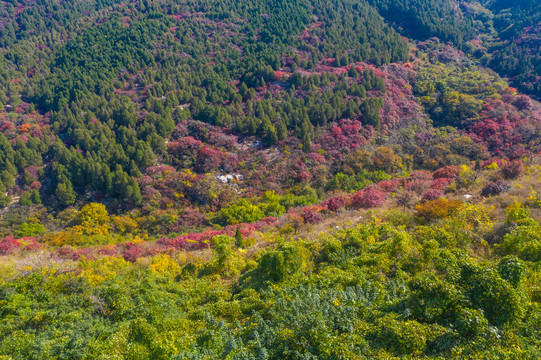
(534, 200)
(418, 185)
(436, 209)
(141, 332)
(239, 213)
(311, 216)
(523, 241)
(407, 199)
(94, 214)
(492, 164)
(513, 170)
(247, 242)
(486, 290)
(276, 265)
(516, 213)
(466, 178)
(272, 205)
(470, 322)
(386, 160)
(449, 172)
(433, 300)
(131, 252)
(432, 194)
(29, 229)
(511, 269)
(225, 260)
(8, 245)
(332, 251)
(495, 188)
(163, 264)
(368, 198)
(404, 337)
(335, 203)
(294, 221)
(291, 200)
(124, 224)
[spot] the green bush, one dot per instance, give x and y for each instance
(242, 212)
(225, 258)
(486, 290)
(470, 322)
(511, 269)
(276, 265)
(523, 241)
(433, 300)
(404, 337)
(29, 198)
(29, 229)
(271, 204)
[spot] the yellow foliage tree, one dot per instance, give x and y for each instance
(164, 264)
(94, 220)
(124, 224)
(385, 159)
(97, 271)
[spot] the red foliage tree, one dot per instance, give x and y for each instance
(158, 171)
(191, 218)
(497, 127)
(33, 246)
(440, 183)
(35, 185)
(209, 159)
(131, 252)
(390, 186)
(495, 188)
(8, 245)
(108, 250)
(368, 198)
(184, 151)
(432, 194)
(420, 175)
(513, 169)
(523, 102)
(335, 203)
(449, 172)
(311, 216)
(303, 176)
(68, 253)
(418, 185)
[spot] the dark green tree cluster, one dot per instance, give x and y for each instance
(117, 88)
(518, 53)
(422, 19)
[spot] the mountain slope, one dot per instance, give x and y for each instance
(284, 179)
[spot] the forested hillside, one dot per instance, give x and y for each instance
(284, 179)
(517, 51)
(503, 34)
